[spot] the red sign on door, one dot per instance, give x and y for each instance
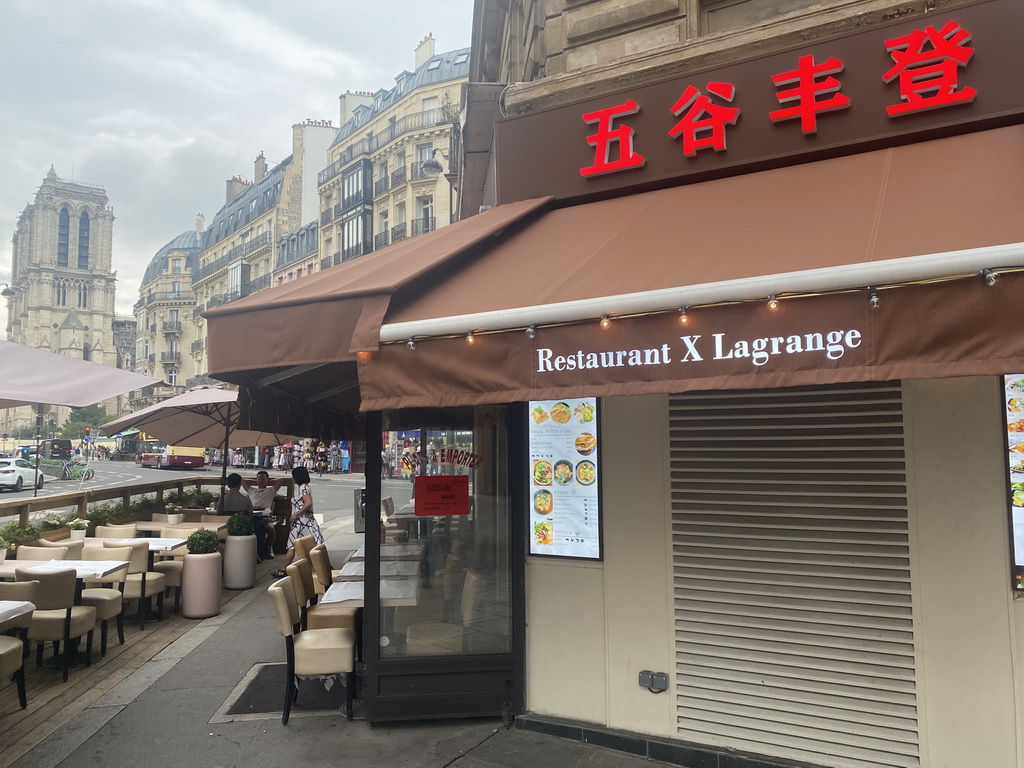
(442, 495)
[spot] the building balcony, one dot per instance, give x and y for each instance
(171, 326)
(151, 358)
(398, 232)
(152, 328)
(381, 185)
(356, 199)
(337, 210)
(327, 216)
(199, 345)
(170, 357)
(352, 252)
(398, 177)
(202, 379)
(416, 173)
(198, 311)
(257, 243)
(259, 283)
(423, 225)
(380, 240)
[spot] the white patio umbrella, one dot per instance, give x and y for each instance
(30, 376)
(202, 417)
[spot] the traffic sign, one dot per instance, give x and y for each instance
(118, 436)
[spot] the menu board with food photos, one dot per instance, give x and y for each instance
(565, 518)
(1014, 397)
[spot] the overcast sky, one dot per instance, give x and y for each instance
(161, 101)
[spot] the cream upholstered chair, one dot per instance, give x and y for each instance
(172, 563)
(56, 618)
(347, 615)
(321, 562)
(13, 650)
(74, 548)
(129, 531)
(141, 584)
(222, 519)
(108, 601)
(322, 570)
(302, 546)
(26, 552)
(313, 651)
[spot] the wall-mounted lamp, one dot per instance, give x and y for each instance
(773, 303)
(431, 165)
(991, 278)
(531, 332)
(7, 291)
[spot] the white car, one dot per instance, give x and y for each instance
(18, 473)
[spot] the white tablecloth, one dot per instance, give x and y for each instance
(84, 569)
(12, 609)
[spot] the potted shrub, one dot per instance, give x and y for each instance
(240, 552)
(77, 527)
(201, 576)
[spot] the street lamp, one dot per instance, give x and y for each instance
(7, 291)
(432, 167)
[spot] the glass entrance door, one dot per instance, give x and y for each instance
(441, 635)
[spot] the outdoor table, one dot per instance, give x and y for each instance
(156, 544)
(12, 609)
(412, 550)
(158, 527)
(402, 569)
(84, 569)
(393, 592)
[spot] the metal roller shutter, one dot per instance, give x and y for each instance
(791, 564)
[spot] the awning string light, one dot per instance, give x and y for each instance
(990, 276)
(411, 343)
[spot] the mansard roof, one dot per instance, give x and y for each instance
(188, 243)
(259, 198)
(437, 69)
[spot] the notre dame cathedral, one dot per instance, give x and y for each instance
(62, 278)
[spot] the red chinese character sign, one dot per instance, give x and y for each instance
(814, 90)
(885, 85)
(928, 66)
(703, 122)
(609, 142)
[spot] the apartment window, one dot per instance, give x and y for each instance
(63, 233)
(430, 103)
(83, 240)
(424, 208)
(176, 290)
(172, 316)
(462, 58)
(176, 266)
(721, 15)
(172, 377)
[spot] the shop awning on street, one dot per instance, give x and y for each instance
(904, 216)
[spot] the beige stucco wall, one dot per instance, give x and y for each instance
(966, 614)
(591, 627)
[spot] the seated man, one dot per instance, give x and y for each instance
(234, 501)
(262, 491)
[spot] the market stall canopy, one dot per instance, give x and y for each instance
(819, 234)
(30, 376)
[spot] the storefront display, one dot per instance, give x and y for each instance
(1015, 460)
(566, 518)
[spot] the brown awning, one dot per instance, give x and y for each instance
(958, 193)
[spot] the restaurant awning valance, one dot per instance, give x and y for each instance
(958, 194)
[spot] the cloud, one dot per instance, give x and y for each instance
(160, 102)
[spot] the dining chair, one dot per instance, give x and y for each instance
(322, 570)
(321, 562)
(26, 552)
(56, 618)
(172, 563)
(107, 600)
(302, 546)
(128, 531)
(13, 650)
(222, 519)
(141, 584)
(74, 548)
(312, 652)
(314, 615)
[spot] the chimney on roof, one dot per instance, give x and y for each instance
(425, 50)
(259, 169)
(200, 225)
(349, 100)
(236, 185)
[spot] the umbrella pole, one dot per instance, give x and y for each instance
(224, 457)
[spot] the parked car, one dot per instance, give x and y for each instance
(18, 473)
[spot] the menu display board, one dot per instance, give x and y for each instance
(565, 515)
(1014, 391)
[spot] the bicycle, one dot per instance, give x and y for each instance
(72, 471)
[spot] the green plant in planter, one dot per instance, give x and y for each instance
(15, 535)
(77, 524)
(201, 497)
(240, 524)
(202, 542)
(99, 514)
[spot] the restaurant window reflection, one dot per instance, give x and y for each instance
(445, 567)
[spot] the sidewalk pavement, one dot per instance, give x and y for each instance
(167, 713)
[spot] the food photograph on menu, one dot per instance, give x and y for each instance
(565, 519)
(1014, 394)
